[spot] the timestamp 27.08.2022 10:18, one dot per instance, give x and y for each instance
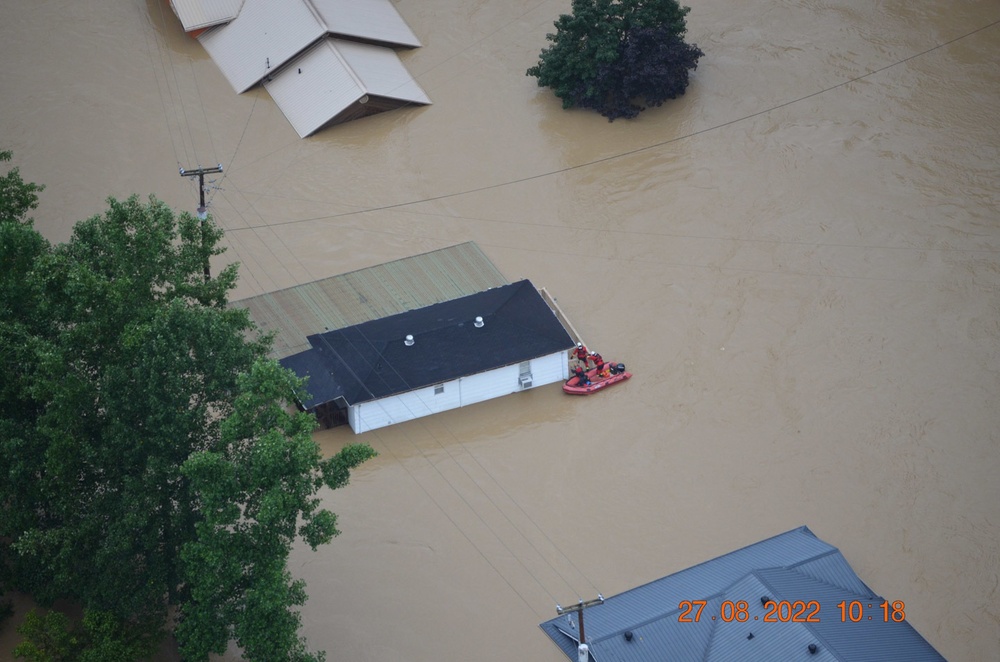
(798, 611)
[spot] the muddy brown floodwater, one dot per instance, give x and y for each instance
(799, 260)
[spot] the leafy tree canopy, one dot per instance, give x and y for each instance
(608, 54)
(148, 455)
(17, 197)
(99, 637)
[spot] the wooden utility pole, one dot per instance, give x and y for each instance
(583, 652)
(202, 209)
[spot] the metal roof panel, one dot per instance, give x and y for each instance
(261, 39)
(794, 566)
(381, 72)
(359, 296)
(334, 75)
(371, 20)
(197, 14)
(314, 88)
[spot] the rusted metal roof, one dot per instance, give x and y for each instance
(371, 293)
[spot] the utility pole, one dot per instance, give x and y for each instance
(583, 652)
(202, 209)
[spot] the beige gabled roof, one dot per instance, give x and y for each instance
(368, 294)
(197, 14)
(268, 34)
(380, 71)
(263, 37)
(369, 20)
(336, 75)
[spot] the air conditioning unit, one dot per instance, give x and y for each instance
(525, 381)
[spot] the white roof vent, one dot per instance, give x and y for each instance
(409, 341)
(479, 322)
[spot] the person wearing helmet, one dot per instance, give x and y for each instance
(598, 361)
(580, 353)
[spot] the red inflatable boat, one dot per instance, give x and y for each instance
(612, 374)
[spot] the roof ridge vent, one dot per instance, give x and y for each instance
(409, 341)
(479, 322)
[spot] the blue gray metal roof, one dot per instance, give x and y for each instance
(789, 567)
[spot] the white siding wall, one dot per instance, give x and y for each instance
(458, 393)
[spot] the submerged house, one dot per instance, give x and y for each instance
(790, 597)
(447, 355)
(322, 61)
(348, 335)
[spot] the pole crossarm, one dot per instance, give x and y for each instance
(578, 608)
(200, 173)
(581, 605)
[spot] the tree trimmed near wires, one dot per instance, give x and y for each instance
(614, 55)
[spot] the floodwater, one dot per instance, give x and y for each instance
(799, 260)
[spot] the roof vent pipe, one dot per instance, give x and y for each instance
(409, 341)
(479, 322)
(813, 648)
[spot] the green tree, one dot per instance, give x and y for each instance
(17, 197)
(124, 377)
(47, 638)
(256, 491)
(99, 637)
(609, 53)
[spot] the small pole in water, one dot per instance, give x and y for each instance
(583, 651)
(202, 208)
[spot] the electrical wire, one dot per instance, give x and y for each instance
(380, 358)
(638, 150)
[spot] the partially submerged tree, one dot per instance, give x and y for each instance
(98, 637)
(146, 458)
(256, 492)
(609, 54)
(17, 197)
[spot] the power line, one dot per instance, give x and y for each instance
(239, 143)
(379, 358)
(631, 152)
(267, 244)
(229, 233)
(173, 71)
(457, 527)
(449, 483)
(197, 89)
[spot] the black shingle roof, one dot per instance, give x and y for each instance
(370, 360)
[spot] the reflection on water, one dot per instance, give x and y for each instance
(797, 260)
